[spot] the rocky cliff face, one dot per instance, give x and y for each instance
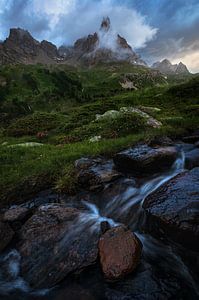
(21, 47)
(167, 68)
(102, 46)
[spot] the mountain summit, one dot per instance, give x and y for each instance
(166, 67)
(102, 46)
(21, 47)
(106, 24)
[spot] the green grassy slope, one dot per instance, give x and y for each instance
(57, 106)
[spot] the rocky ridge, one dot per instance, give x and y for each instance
(21, 47)
(166, 67)
(102, 46)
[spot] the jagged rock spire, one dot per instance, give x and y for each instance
(106, 24)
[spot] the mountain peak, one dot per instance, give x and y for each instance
(166, 61)
(102, 46)
(106, 24)
(18, 35)
(166, 67)
(21, 47)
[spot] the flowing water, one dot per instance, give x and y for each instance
(159, 259)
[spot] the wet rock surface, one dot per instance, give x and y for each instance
(173, 209)
(161, 141)
(6, 235)
(94, 173)
(145, 160)
(60, 243)
(191, 138)
(51, 246)
(192, 158)
(119, 251)
(16, 214)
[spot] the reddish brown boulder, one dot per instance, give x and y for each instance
(119, 251)
(6, 235)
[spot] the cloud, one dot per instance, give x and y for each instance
(84, 17)
(177, 37)
(190, 59)
(19, 13)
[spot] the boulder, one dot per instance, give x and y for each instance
(6, 235)
(161, 141)
(192, 159)
(143, 159)
(119, 251)
(151, 284)
(191, 139)
(110, 114)
(114, 114)
(149, 109)
(150, 121)
(53, 244)
(16, 214)
(94, 173)
(173, 210)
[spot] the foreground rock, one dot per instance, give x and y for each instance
(16, 214)
(94, 173)
(119, 251)
(145, 160)
(173, 209)
(191, 138)
(53, 244)
(6, 235)
(192, 159)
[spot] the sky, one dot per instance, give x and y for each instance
(156, 29)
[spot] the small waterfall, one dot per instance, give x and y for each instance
(93, 218)
(9, 273)
(10, 279)
(154, 250)
(89, 221)
(121, 205)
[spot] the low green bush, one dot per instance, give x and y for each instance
(32, 124)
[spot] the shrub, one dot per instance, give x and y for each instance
(32, 124)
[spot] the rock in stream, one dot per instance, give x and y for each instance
(53, 244)
(173, 209)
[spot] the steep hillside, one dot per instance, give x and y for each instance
(52, 116)
(25, 89)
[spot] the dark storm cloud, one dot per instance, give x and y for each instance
(17, 13)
